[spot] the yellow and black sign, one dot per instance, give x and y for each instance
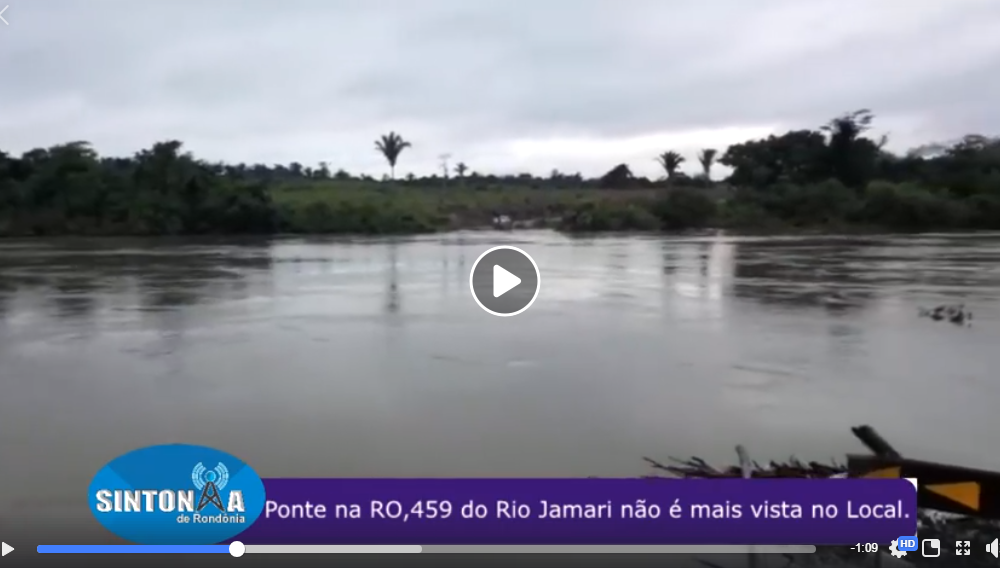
(941, 487)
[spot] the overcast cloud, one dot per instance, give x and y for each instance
(506, 86)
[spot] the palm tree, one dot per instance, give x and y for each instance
(670, 161)
(460, 169)
(707, 159)
(846, 134)
(391, 145)
(847, 128)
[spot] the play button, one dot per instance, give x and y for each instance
(5, 549)
(505, 281)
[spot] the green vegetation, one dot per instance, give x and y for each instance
(832, 178)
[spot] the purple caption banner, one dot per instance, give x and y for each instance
(584, 511)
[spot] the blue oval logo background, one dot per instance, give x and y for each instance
(179, 468)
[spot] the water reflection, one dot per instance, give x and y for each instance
(669, 257)
(696, 277)
(704, 254)
(803, 273)
(837, 276)
(73, 297)
(393, 297)
(78, 280)
(271, 350)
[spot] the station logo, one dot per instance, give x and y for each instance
(167, 495)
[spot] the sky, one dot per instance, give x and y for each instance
(504, 86)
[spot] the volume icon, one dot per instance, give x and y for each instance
(992, 548)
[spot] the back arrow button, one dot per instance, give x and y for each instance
(2, 10)
(5, 548)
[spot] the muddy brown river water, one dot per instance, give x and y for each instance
(338, 357)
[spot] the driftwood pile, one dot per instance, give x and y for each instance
(932, 524)
(793, 468)
(697, 468)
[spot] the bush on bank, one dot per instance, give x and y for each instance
(829, 179)
(825, 206)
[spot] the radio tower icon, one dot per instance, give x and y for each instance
(210, 482)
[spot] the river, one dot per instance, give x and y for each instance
(369, 357)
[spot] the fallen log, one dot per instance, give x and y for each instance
(877, 444)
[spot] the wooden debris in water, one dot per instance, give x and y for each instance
(954, 313)
(932, 524)
(696, 467)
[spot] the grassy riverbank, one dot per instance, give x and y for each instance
(823, 207)
(827, 180)
(335, 207)
(374, 208)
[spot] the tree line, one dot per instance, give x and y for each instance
(831, 176)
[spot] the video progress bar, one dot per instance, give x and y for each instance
(234, 549)
(132, 549)
(237, 550)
